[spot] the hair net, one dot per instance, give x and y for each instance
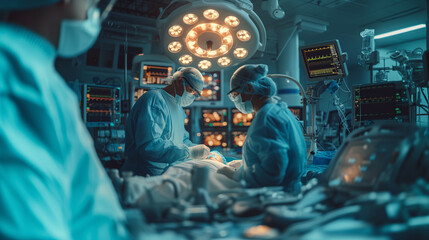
(194, 77)
(255, 75)
(12, 5)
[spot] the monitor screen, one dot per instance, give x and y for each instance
(323, 61)
(214, 117)
(214, 138)
(212, 87)
(360, 163)
(240, 119)
(385, 101)
(238, 138)
(138, 92)
(297, 111)
(101, 105)
(153, 74)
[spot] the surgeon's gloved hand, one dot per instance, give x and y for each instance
(199, 151)
(227, 171)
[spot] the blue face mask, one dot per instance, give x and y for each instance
(77, 36)
(244, 107)
(186, 99)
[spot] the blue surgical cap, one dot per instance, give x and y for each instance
(255, 75)
(191, 74)
(13, 5)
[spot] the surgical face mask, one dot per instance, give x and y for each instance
(186, 99)
(244, 107)
(77, 36)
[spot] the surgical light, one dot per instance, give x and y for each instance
(175, 31)
(214, 34)
(204, 65)
(403, 30)
(240, 53)
(243, 35)
(224, 61)
(190, 19)
(211, 14)
(232, 21)
(175, 47)
(203, 40)
(185, 59)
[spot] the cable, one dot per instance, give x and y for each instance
(424, 95)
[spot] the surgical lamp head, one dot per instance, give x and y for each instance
(211, 35)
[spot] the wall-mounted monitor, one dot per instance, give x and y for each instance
(240, 119)
(101, 105)
(155, 74)
(237, 138)
(215, 138)
(214, 118)
(151, 70)
(323, 61)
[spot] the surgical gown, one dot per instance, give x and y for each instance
(274, 150)
(155, 136)
(52, 185)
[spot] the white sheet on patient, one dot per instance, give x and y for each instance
(138, 190)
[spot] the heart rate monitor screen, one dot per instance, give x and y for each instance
(156, 74)
(386, 101)
(323, 61)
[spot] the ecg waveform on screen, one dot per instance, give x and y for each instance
(322, 61)
(382, 101)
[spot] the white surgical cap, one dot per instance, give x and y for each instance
(13, 5)
(255, 75)
(191, 74)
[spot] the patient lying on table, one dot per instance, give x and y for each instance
(176, 182)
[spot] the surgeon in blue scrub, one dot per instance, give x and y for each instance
(274, 150)
(155, 136)
(52, 185)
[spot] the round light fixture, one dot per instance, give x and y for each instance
(240, 53)
(243, 35)
(175, 31)
(211, 14)
(185, 59)
(224, 61)
(232, 21)
(174, 47)
(190, 18)
(210, 35)
(209, 40)
(204, 64)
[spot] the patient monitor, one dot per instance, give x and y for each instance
(380, 157)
